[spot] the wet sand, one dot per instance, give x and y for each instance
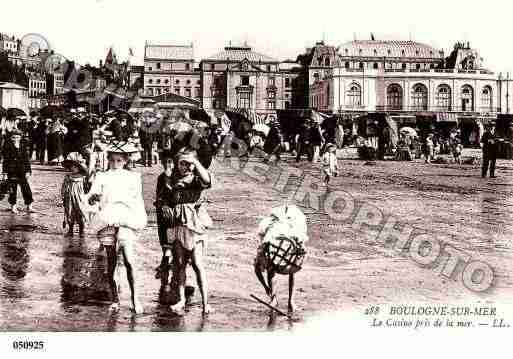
(52, 283)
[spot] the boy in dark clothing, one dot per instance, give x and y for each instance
(16, 166)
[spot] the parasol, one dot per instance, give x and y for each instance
(260, 127)
(178, 126)
(15, 112)
(408, 131)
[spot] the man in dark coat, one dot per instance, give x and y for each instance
(305, 142)
(77, 137)
(147, 137)
(39, 135)
(16, 166)
(489, 146)
(274, 141)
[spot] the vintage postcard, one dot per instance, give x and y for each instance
(330, 171)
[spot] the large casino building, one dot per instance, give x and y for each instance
(408, 82)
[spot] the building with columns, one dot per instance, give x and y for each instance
(405, 80)
(239, 77)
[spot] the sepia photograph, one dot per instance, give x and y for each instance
(328, 169)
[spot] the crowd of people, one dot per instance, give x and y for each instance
(101, 192)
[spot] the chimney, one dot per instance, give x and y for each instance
(101, 64)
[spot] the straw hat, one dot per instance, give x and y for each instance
(16, 133)
(329, 146)
(124, 147)
(75, 159)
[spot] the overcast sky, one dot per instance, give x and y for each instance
(84, 29)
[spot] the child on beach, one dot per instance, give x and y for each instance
(120, 215)
(181, 209)
(329, 163)
(72, 193)
(16, 166)
(284, 222)
(163, 196)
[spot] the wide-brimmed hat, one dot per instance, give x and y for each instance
(186, 154)
(123, 147)
(329, 146)
(75, 159)
(15, 133)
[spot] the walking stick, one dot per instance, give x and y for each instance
(270, 306)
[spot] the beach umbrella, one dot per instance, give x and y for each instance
(260, 127)
(198, 114)
(408, 131)
(179, 126)
(15, 112)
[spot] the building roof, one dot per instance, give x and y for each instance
(239, 53)
(171, 98)
(320, 52)
(11, 85)
(169, 52)
(387, 48)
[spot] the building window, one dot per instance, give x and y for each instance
(166, 81)
(271, 94)
(187, 67)
(402, 52)
(327, 62)
(268, 68)
(271, 81)
(347, 64)
(244, 80)
(150, 81)
(198, 82)
(158, 81)
(177, 90)
(197, 92)
(188, 92)
(361, 65)
(188, 82)
(486, 99)
(432, 66)
(158, 65)
(443, 98)
(419, 98)
(177, 82)
(166, 89)
(467, 98)
(417, 66)
(354, 95)
(157, 92)
(271, 105)
(218, 81)
(347, 52)
(389, 52)
(244, 100)
(287, 82)
(150, 68)
(287, 104)
(212, 67)
(403, 66)
(375, 52)
(375, 66)
(394, 97)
